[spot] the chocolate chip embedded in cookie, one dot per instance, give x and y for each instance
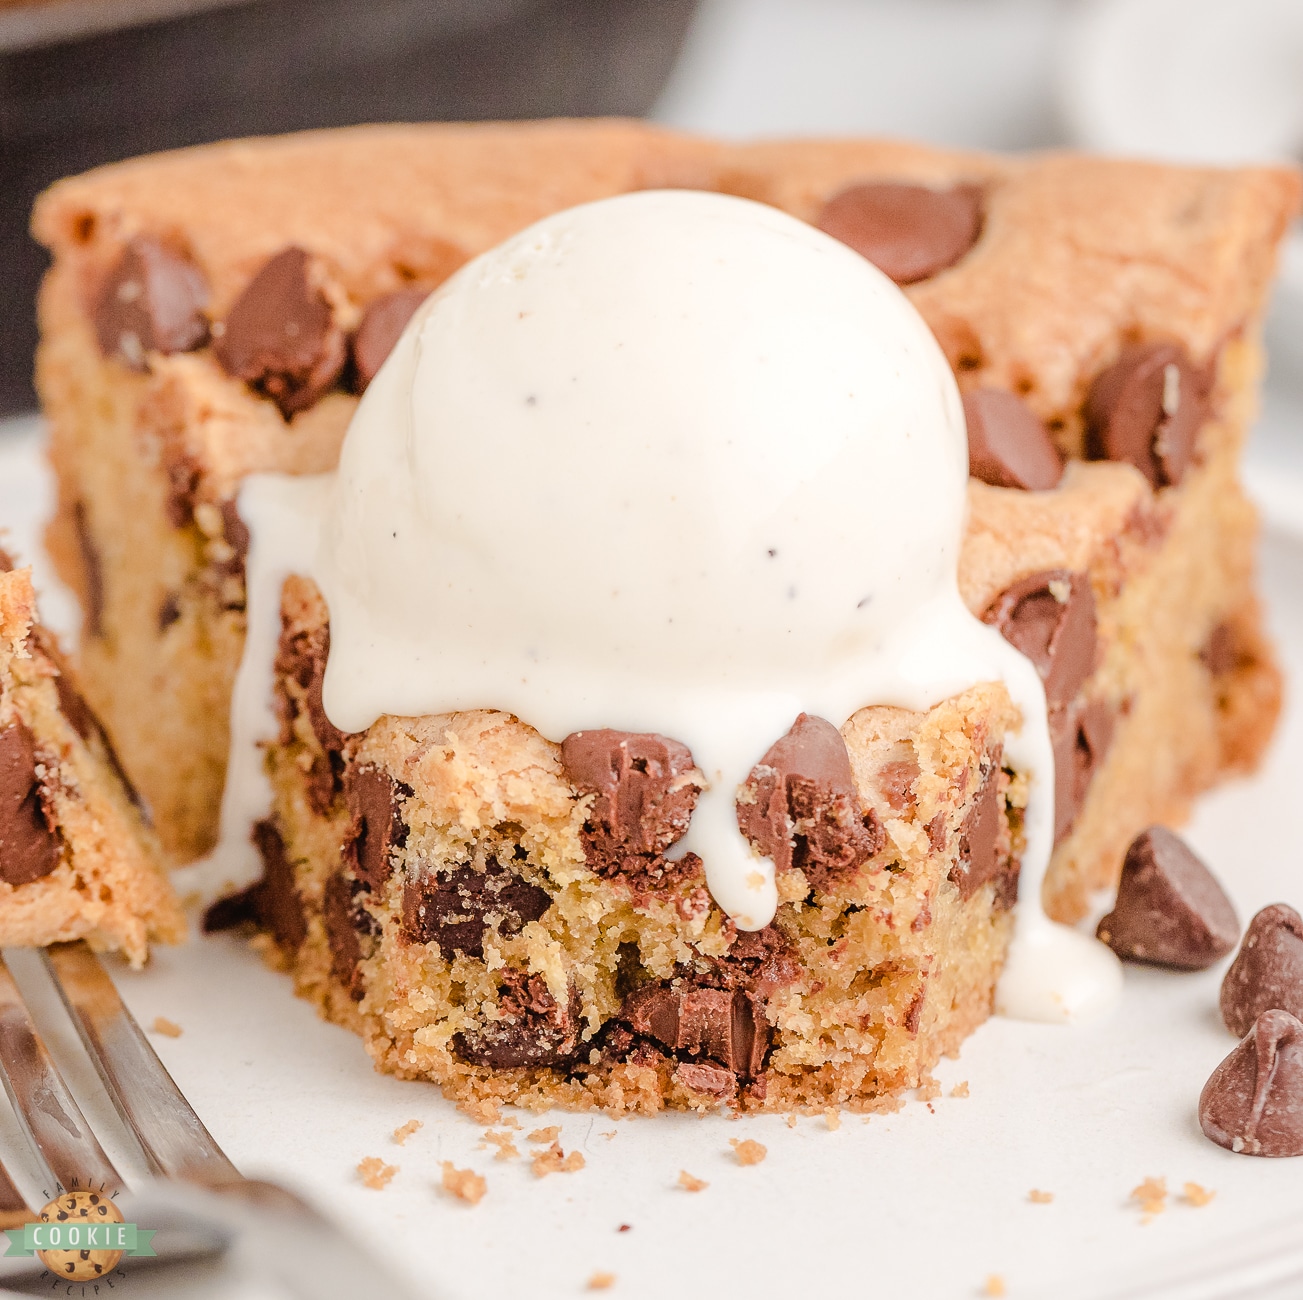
(273, 902)
(983, 843)
(382, 323)
(1081, 734)
(346, 920)
(1050, 617)
(456, 909)
(280, 335)
(1170, 910)
(1253, 1103)
(152, 301)
(646, 787)
(29, 845)
(1008, 443)
(726, 1025)
(910, 232)
(374, 800)
(1146, 409)
(532, 1028)
(799, 806)
(1267, 973)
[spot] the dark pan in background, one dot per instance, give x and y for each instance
(85, 82)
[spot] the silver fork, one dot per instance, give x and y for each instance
(305, 1252)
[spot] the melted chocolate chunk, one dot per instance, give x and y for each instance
(910, 232)
(373, 798)
(92, 571)
(1008, 443)
(29, 845)
(726, 1025)
(273, 903)
(980, 855)
(1050, 617)
(1253, 1103)
(301, 657)
(699, 1076)
(1170, 910)
(153, 301)
(382, 324)
(280, 335)
(1081, 734)
(644, 790)
(1267, 973)
(344, 918)
(800, 807)
(1146, 409)
(532, 1028)
(1222, 653)
(456, 909)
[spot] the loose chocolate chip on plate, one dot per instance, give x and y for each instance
(1170, 910)
(382, 323)
(280, 335)
(152, 301)
(1008, 443)
(644, 787)
(1253, 1103)
(910, 232)
(456, 909)
(799, 806)
(1267, 973)
(1146, 409)
(373, 799)
(29, 845)
(1050, 617)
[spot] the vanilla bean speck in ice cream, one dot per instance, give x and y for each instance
(671, 462)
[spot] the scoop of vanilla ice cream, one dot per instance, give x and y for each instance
(669, 438)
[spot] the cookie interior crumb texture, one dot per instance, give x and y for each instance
(465, 1184)
(404, 1131)
(748, 1151)
(601, 1281)
(994, 1286)
(168, 1028)
(556, 1161)
(1151, 1196)
(689, 1183)
(1037, 1197)
(1194, 1194)
(374, 1173)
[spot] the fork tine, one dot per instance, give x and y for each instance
(51, 1119)
(171, 1135)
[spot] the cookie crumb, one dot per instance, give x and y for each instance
(555, 1161)
(374, 1173)
(506, 1147)
(625, 1227)
(791, 1121)
(1037, 1197)
(510, 1121)
(610, 1135)
(546, 1135)
(1152, 1197)
(994, 1286)
(960, 1089)
(928, 1089)
(404, 1131)
(833, 1118)
(1193, 1194)
(168, 1028)
(691, 1184)
(748, 1151)
(465, 1184)
(601, 1281)
(483, 1109)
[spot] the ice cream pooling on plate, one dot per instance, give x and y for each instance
(671, 462)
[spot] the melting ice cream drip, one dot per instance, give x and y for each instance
(670, 462)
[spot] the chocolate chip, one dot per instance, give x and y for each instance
(280, 336)
(92, 570)
(1081, 734)
(1146, 409)
(532, 1028)
(799, 805)
(1050, 617)
(301, 659)
(6, 561)
(1170, 910)
(343, 916)
(1222, 653)
(456, 909)
(169, 610)
(698, 1076)
(373, 798)
(908, 231)
(29, 845)
(1008, 443)
(273, 902)
(235, 533)
(644, 792)
(1267, 973)
(983, 850)
(726, 1025)
(153, 301)
(1253, 1103)
(382, 324)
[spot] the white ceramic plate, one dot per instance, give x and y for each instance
(926, 1203)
